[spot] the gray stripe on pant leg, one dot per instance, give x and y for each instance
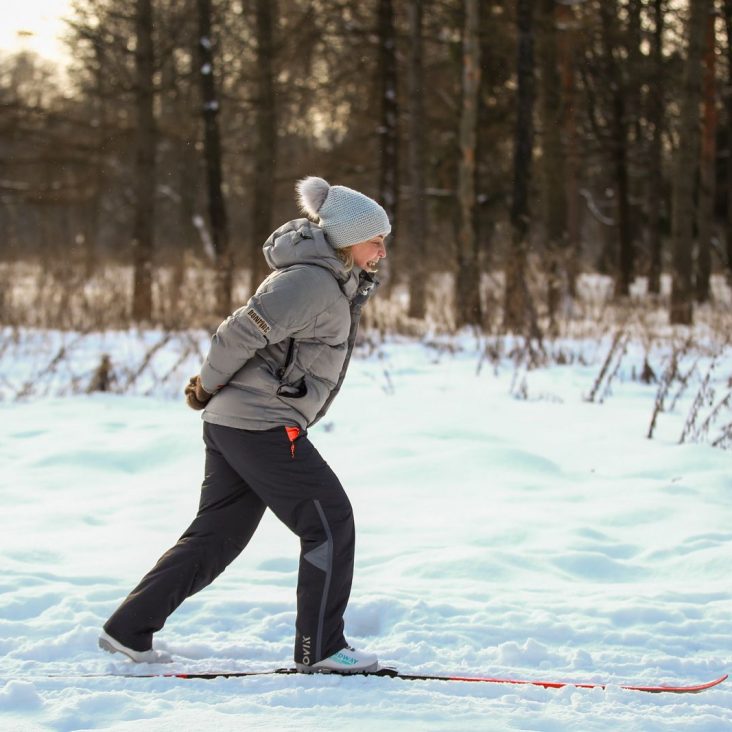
(326, 586)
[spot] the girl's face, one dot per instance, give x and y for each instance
(366, 254)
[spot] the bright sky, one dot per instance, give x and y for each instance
(42, 19)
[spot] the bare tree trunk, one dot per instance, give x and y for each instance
(265, 156)
(619, 143)
(707, 167)
(188, 175)
(467, 296)
(635, 63)
(143, 226)
(418, 241)
(178, 167)
(101, 124)
(488, 142)
(518, 314)
(728, 106)
(552, 160)
(637, 170)
(567, 25)
(655, 176)
(182, 129)
(687, 160)
(212, 152)
(388, 127)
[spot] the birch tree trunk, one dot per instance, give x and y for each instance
(212, 152)
(418, 241)
(143, 226)
(687, 160)
(467, 296)
(265, 151)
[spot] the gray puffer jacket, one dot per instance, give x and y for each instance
(281, 358)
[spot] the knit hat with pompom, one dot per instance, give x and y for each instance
(347, 216)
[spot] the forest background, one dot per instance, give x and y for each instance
(517, 145)
(559, 178)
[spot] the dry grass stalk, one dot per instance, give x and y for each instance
(492, 353)
(724, 440)
(191, 349)
(703, 429)
(33, 383)
(684, 380)
(664, 385)
(611, 376)
(519, 385)
(606, 375)
(146, 361)
(704, 395)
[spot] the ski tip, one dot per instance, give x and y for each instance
(690, 689)
(709, 684)
(720, 680)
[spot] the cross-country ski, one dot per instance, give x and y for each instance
(393, 673)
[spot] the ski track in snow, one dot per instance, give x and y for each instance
(542, 538)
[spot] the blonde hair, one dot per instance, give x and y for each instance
(345, 254)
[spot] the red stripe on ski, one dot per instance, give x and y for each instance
(691, 689)
(393, 673)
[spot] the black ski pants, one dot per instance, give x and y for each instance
(247, 472)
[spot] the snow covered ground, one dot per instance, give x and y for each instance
(506, 526)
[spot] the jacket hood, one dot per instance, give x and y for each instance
(300, 241)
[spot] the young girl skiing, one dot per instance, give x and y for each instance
(272, 370)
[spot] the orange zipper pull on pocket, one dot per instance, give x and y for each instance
(292, 433)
